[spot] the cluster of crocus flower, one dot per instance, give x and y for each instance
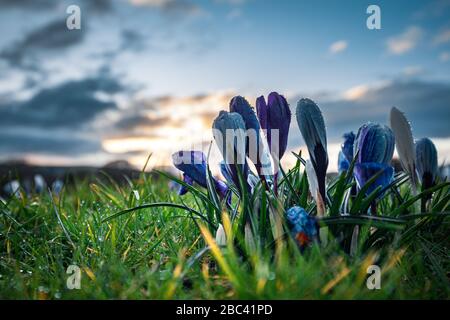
(243, 135)
(374, 148)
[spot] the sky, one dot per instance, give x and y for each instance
(149, 76)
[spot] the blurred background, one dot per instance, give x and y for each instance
(149, 76)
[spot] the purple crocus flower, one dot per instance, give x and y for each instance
(275, 115)
(254, 146)
(303, 227)
(193, 166)
(375, 146)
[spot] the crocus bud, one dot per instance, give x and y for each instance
(346, 154)
(303, 227)
(347, 146)
(229, 134)
(375, 143)
(275, 115)
(343, 163)
(404, 142)
(427, 162)
(312, 127)
(375, 147)
(221, 238)
(255, 147)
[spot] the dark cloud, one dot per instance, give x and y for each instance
(26, 142)
(53, 36)
(57, 120)
(28, 4)
(69, 104)
(426, 104)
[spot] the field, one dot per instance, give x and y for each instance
(165, 251)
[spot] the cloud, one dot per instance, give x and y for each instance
(412, 71)
(68, 105)
(338, 46)
(442, 37)
(405, 41)
(58, 120)
(425, 104)
(28, 4)
(53, 36)
(444, 56)
(20, 142)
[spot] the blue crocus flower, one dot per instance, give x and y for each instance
(364, 171)
(375, 147)
(346, 154)
(229, 134)
(375, 143)
(347, 146)
(426, 162)
(303, 227)
(193, 166)
(254, 146)
(343, 163)
(275, 115)
(312, 127)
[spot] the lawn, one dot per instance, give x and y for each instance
(165, 251)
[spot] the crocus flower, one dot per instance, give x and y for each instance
(40, 185)
(221, 238)
(303, 227)
(375, 143)
(364, 171)
(404, 142)
(57, 187)
(343, 163)
(427, 162)
(375, 147)
(255, 148)
(193, 166)
(275, 115)
(346, 154)
(347, 146)
(312, 127)
(229, 134)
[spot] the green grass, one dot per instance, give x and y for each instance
(159, 252)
